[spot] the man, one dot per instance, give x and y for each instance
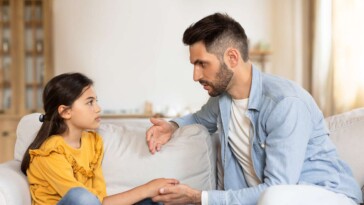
(273, 136)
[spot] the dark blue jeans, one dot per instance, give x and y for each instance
(148, 202)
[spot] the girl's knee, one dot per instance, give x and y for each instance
(79, 196)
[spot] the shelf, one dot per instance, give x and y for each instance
(114, 116)
(5, 24)
(33, 2)
(5, 84)
(34, 24)
(34, 53)
(34, 85)
(260, 56)
(4, 53)
(5, 2)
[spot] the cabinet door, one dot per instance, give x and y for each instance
(36, 52)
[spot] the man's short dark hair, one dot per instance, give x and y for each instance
(218, 32)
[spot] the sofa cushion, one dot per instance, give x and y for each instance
(26, 130)
(347, 133)
(189, 156)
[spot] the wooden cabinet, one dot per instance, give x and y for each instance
(26, 62)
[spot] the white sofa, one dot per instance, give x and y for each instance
(190, 156)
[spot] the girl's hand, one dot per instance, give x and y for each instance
(152, 187)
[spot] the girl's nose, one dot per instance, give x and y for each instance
(97, 107)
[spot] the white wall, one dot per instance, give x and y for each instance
(133, 49)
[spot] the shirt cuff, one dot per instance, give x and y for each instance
(204, 198)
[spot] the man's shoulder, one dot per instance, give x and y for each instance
(276, 88)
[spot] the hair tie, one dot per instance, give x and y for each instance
(41, 117)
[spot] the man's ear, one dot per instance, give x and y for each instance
(64, 112)
(232, 56)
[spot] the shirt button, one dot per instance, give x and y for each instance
(262, 145)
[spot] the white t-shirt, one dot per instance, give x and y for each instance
(239, 139)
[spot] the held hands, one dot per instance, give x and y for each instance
(159, 134)
(179, 194)
(155, 185)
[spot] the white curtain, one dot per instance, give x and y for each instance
(338, 55)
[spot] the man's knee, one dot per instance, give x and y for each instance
(274, 195)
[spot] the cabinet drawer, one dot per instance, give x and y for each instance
(7, 143)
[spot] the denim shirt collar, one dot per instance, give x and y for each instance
(255, 90)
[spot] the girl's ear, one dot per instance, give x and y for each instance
(64, 112)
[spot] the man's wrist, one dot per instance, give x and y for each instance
(175, 126)
(196, 197)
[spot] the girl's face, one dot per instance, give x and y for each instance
(85, 111)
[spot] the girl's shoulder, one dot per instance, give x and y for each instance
(53, 144)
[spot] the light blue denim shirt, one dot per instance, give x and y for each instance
(290, 142)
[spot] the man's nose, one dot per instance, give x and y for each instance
(197, 74)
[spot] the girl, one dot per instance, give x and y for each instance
(63, 163)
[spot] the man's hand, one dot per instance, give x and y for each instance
(153, 187)
(179, 194)
(159, 134)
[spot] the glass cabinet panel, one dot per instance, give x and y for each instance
(34, 54)
(6, 90)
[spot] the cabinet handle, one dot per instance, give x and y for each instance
(5, 134)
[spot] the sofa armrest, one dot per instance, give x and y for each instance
(14, 188)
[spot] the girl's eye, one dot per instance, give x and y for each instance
(90, 102)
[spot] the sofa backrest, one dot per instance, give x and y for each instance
(346, 131)
(190, 156)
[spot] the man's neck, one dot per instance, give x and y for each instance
(241, 82)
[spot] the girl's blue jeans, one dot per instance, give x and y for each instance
(81, 196)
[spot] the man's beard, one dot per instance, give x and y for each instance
(223, 78)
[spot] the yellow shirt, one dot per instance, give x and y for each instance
(56, 167)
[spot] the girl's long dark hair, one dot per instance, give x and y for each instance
(63, 89)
